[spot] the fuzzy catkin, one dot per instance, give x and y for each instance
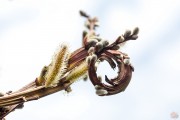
(58, 66)
(78, 72)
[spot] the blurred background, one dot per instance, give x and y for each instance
(31, 30)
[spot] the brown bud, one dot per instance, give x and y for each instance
(82, 13)
(97, 87)
(126, 61)
(94, 58)
(85, 77)
(68, 89)
(105, 43)
(91, 50)
(127, 33)
(98, 47)
(116, 47)
(120, 39)
(100, 78)
(101, 92)
(84, 34)
(88, 59)
(135, 31)
(91, 43)
(134, 37)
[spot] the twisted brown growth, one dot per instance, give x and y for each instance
(94, 50)
(110, 53)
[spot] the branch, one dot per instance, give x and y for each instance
(66, 68)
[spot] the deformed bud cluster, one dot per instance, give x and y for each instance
(99, 50)
(128, 35)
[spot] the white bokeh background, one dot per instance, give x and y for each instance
(31, 30)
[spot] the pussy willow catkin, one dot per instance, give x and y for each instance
(78, 72)
(58, 66)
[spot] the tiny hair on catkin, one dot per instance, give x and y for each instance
(58, 66)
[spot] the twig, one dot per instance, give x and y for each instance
(65, 69)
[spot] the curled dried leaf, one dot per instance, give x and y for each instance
(117, 84)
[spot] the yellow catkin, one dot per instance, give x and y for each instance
(78, 72)
(57, 67)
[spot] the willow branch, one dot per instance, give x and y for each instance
(65, 68)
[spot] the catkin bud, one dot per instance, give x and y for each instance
(84, 34)
(91, 50)
(135, 31)
(94, 58)
(88, 59)
(77, 72)
(120, 56)
(127, 33)
(82, 13)
(105, 43)
(120, 39)
(98, 47)
(116, 47)
(134, 37)
(101, 92)
(91, 43)
(41, 80)
(126, 61)
(85, 77)
(100, 78)
(97, 87)
(58, 67)
(68, 89)
(95, 37)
